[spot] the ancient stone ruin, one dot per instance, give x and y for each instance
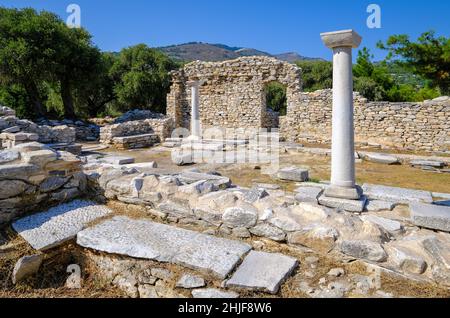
(233, 92)
(146, 226)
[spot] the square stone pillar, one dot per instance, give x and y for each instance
(343, 182)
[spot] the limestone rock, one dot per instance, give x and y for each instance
(12, 188)
(240, 217)
(59, 224)
(360, 249)
(263, 271)
(431, 216)
(293, 174)
(407, 260)
(318, 237)
(378, 205)
(396, 195)
(8, 156)
(268, 231)
(391, 226)
(308, 194)
(344, 204)
(207, 293)
(26, 266)
(164, 243)
(190, 281)
(382, 158)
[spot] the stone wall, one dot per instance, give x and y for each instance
(10, 124)
(412, 126)
(160, 127)
(33, 176)
(233, 92)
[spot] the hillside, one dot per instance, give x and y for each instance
(220, 52)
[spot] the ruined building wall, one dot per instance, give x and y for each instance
(414, 126)
(233, 93)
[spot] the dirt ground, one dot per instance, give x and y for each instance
(319, 166)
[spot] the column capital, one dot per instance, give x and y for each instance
(344, 38)
(196, 83)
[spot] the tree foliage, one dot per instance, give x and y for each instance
(49, 69)
(429, 57)
(141, 76)
(276, 97)
(316, 75)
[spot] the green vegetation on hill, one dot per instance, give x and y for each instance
(48, 69)
(420, 71)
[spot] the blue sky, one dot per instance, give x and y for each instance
(269, 25)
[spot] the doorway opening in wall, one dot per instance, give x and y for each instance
(276, 99)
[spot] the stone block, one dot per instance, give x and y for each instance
(396, 195)
(431, 216)
(344, 204)
(263, 272)
(293, 174)
(163, 243)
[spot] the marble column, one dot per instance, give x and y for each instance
(195, 111)
(343, 184)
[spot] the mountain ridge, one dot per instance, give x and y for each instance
(192, 51)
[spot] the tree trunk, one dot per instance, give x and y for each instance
(35, 99)
(66, 95)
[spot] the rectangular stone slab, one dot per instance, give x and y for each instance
(397, 195)
(263, 271)
(431, 216)
(148, 240)
(59, 224)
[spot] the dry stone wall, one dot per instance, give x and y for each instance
(233, 92)
(113, 134)
(33, 176)
(413, 126)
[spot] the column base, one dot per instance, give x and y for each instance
(193, 138)
(356, 206)
(344, 193)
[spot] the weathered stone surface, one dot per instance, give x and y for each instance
(182, 158)
(293, 174)
(393, 227)
(438, 250)
(190, 281)
(254, 194)
(308, 194)
(59, 224)
(241, 232)
(11, 171)
(263, 271)
(318, 237)
(427, 163)
(378, 205)
(240, 217)
(8, 156)
(26, 266)
(368, 250)
(52, 184)
(39, 157)
(12, 188)
(382, 158)
(221, 182)
(207, 293)
(407, 260)
(431, 216)
(396, 195)
(269, 231)
(344, 204)
(149, 240)
(118, 160)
